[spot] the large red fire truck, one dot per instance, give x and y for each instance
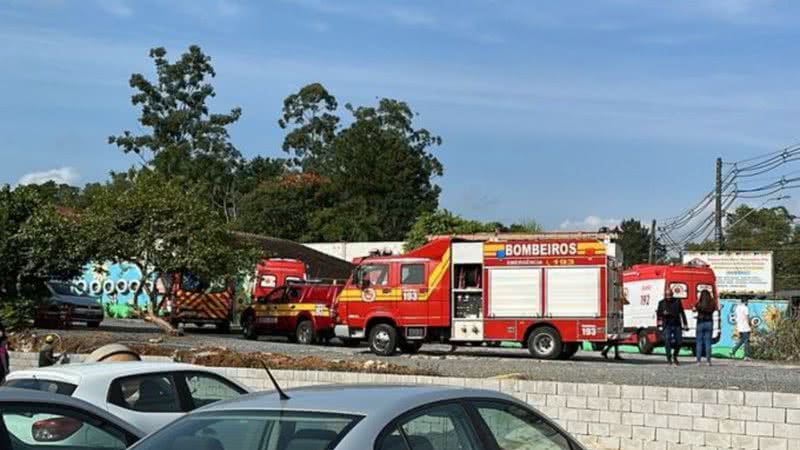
(646, 284)
(547, 291)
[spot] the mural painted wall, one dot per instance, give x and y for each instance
(113, 284)
(763, 315)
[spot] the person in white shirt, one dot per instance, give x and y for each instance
(742, 314)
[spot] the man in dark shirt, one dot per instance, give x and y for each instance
(672, 321)
(47, 356)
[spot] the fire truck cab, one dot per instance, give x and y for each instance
(274, 272)
(646, 284)
(548, 292)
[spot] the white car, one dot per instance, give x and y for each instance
(148, 395)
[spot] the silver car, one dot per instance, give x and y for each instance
(361, 417)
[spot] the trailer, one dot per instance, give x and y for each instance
(549, 292)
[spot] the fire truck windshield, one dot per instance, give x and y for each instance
(372, 275)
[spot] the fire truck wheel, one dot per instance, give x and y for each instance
(249, 328)
(645, 346)
(545, 343)
(569, 349)
(304, 333)
(410, 347)
(383, 339)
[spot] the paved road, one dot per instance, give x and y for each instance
(482, 362)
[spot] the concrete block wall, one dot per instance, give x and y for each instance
(603, 417)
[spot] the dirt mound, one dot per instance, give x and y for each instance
(212, 356)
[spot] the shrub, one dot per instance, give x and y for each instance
(782, 343)
(17, 313)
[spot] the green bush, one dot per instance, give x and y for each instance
(782, 343)
(17, 313)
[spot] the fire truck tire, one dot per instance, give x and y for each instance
(249, 328)
(304, 333)
(383, 339)
(569, 350)
(224, 327)
(545, 343)
(645, 346)
(410, 347)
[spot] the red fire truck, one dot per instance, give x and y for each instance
(646, 284)
(547, 291)
(302, 312)
(274, 272)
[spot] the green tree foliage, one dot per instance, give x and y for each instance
(442, 222)
(285, 207)
(162, 226)
(635, 242)
(38, 241)
(184, 139)
(380, 166)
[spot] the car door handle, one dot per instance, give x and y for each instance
(293, 307)
(386, 291)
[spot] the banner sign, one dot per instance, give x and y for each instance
(737, 272)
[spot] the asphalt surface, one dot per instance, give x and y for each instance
(485, 362)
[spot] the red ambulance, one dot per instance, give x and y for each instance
(547, 291)
(645, 285)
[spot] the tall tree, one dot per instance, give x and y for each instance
(380, 166)
(635, 243)
(311, 113)
(184, 139)
(38, 241)
(161, 226)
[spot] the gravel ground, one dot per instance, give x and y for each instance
(483, 362)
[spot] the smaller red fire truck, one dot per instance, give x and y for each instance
(646, 284)
(274, 272)
(547, 291)
(302, 312)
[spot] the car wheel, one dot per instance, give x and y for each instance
(304, 333)
(411, 347)
(93, 324)
(545, 343)
(645, 346)
(249, 328)
(383, 339)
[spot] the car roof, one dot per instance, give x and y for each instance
(78, 373)
(352, 399)
(22, 396)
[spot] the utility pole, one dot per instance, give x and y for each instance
(652, 257)
(718, 208)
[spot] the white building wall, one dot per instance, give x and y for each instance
(349, 250)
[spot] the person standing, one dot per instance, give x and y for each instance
(742, 314)
(705, 308)
(672, 321)
(47, 356)
(5, 361)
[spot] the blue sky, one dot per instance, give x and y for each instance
(574, 113)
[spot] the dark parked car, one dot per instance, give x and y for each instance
(65, 306)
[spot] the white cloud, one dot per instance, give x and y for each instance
(589, 223)
(63, 175)
(119, 8)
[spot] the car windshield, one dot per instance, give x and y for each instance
(252, 430)
(62, 288)
(36, 384)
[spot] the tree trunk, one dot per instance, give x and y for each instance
(151, 314)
